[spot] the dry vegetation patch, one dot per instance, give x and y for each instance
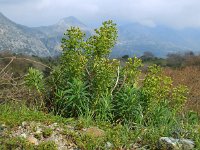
(189, 76)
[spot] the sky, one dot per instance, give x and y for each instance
(172, 13)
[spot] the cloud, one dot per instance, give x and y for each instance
(174, 13)
(14, 1)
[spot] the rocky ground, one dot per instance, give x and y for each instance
(36, 133)
(63, 137)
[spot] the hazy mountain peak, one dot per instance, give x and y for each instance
(2, 16)
(70, 21)
(4, 20)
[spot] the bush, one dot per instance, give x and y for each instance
(88, 83)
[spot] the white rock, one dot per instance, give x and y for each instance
(24, 123)
(187, 144)
(38, 132)
(176, 144)
(3, 125)
(32, 140)
(109, 145)
(23, 135)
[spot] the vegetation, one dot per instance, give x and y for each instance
(131, 107)
(14, 114)
(188, 76)
(88, 83)
(172, 60)
(121, 136)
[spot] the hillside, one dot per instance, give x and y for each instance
(133, 39)
(19, 39)
(53, 34)
(41, 41)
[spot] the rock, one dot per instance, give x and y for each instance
(32, 140)
(23, 135)
(170, 143)
(187, 144)
(95, 132)
(108, 145)
(24, 123)
(38, 132)
(3, 125)
(55, 124)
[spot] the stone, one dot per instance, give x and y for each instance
(55, 124)
(95, 132)
(175, 144)
(38, 132)
(24, 123)
(32, 140)
(187, 144)
(3, 125)
(23, 135)
(108, 145)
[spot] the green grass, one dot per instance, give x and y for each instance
(118, 135)
(14, 114)
(47, 132)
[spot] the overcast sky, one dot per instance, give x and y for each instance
(174, 13)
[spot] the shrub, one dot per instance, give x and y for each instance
(127, 107)
(72, 101)
(88, 83)
(34, 80)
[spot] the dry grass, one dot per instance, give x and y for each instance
(189, 76)
(12, 72)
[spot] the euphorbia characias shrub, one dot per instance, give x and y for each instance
(88, 82)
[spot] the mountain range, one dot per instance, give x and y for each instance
(160, 40)
(41, 41)
(134, 38)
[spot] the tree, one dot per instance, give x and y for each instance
(175, 60)
(125, 57)
(147, 56)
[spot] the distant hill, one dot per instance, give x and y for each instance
(54, 33)
(133, 38)
(15, 38)
(40, 41)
